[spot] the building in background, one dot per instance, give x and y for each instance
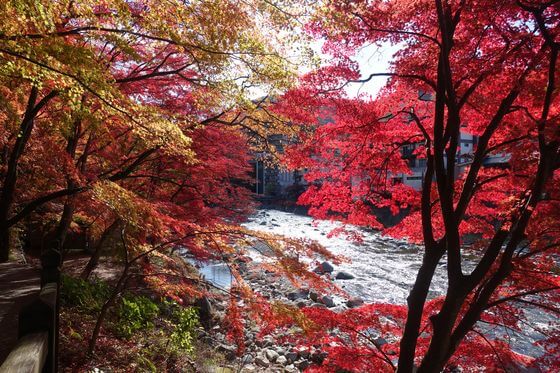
(465, 154)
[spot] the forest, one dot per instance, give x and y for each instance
(280, 185)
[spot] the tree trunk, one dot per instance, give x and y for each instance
(416, 301)
(4, 243)
(9, 183)
(106, 306)
(94, 260)
(70, 204)
(436, 357)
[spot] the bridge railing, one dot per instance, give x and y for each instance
(37, 347)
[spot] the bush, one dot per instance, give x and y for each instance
(135, 313)
(88, 296)
(186, 321)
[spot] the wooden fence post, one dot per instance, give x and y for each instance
(40, 316)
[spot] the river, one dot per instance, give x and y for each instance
(384, 268)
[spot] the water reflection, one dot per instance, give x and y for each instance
(218, 274)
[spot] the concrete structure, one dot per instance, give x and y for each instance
(465, 153)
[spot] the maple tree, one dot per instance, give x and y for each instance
(95, 94)
(483, 67)
(128, 123)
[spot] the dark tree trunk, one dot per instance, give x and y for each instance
(119, 287)
(70, 204)
(9, 183)
(94, 260)
(415, 302)
(4, 243)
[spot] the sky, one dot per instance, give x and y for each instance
(372, 59)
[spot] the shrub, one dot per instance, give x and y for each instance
(186, 321)
(135, 313)
(88, 296)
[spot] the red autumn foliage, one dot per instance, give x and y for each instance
(485, 68)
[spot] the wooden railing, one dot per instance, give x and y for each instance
(37, 347)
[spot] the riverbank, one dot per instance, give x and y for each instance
(274, 352)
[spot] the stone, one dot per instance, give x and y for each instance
(344, 276)
(247, 359)
(262, 361)
(324, 267)
(281, 360)
(290, 368)
(304, 354)
(265, 342)
(380, 341)
(328, 301)
(281, 350)
(296, 295)
(313, 296)
(229, 351)
(318, 357)
(271, 355)
(292, 356)
(303, 364)
(354, 302)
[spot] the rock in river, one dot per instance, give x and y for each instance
(327, 301)
(324, 267)
(344, 276)
(354, 302)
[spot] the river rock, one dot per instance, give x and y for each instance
(354, 302)
(296, 295)
(328, 301)
(281, 360)
(313, 296)
(265, 342)
(281, 350)
(262, 361)
(290, 368)
(380, 341)
(344, 276)
(324, 267)
(228, 350)
(271, 355)
(292, 356)
(319, 305)
(318, 357)
(303, 364)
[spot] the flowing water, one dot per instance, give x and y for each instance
(384, 268)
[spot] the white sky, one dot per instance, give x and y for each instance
(371, 59)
